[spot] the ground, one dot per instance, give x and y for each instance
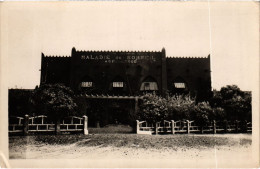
(127, 146)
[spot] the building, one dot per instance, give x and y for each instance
(119, 77)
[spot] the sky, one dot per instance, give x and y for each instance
(228, 31)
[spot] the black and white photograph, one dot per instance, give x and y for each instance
(130, 84)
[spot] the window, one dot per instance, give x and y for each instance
(118, 84)
(149, 86)
(86, 84)
(179, 85)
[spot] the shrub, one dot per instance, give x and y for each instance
(202, 112)
(153, 108)
(180, 107)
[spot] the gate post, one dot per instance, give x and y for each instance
(57, 127)
(85, 125)
(188, 126)
(156, 128)
(137, 127)
(26, 125)
(173, 130)
(214, 127)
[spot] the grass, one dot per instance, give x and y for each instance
(131, 140)
(112, 129)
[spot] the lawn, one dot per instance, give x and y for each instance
(129, 146)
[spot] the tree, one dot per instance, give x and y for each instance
(218, 113)
(236, 103)
(54, 100)
(18, 102)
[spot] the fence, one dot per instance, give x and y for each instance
(187, 126)
(39, 124)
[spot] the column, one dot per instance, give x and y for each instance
(188, 126)
(85, 125)
(173, 129)
(214, 127)
(26, 125)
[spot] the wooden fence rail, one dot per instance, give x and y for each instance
(142, 127)
(38, 124)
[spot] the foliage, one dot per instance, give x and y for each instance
(180, 107)
(82, 105)
(203, 112)
(153, 108)
(54, 100)
(18, 102)
(218, 113)
(236, 103)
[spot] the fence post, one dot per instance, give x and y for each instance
(202, 131)
(26, 125)
(156, 128)
(137, 126)
(245, 126)
(236, 126)
(188, 126)
(214, 127)
(226, 126)
(97, 124)
(85, 125)
(173, 129)
(164, 127)
(57, 130)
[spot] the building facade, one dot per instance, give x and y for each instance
(129, 74)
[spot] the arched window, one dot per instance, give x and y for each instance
(149, 84)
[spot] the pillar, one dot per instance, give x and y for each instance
(173, 129)
(188, 126)
(57, 127)
(85, 125)
(164, 74)
(214, 127)
(156, 128)
(137, 126)
(136, 105)
(26, 125)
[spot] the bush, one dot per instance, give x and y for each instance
(203, 112)
(180, 107)
(153, 108)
